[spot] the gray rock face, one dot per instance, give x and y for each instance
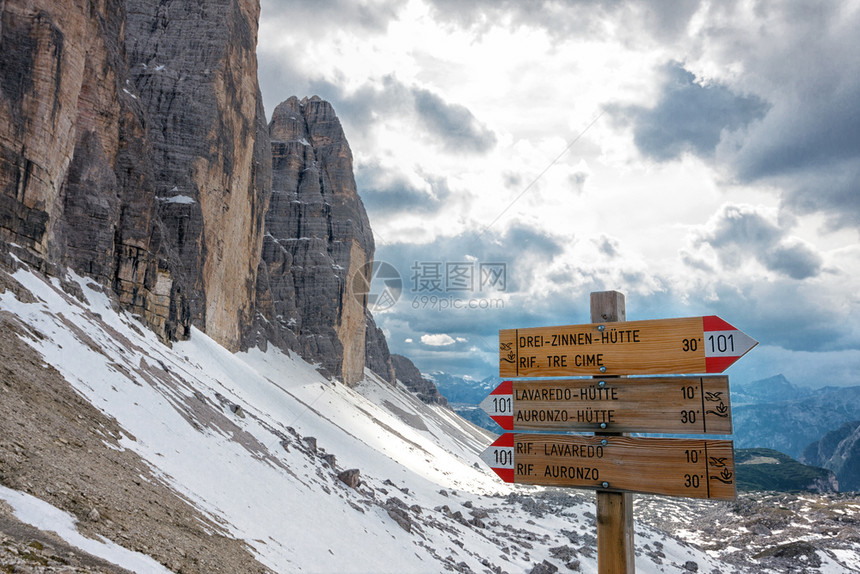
(839, 451)
(194, 68)
(377, 356)
(318, 241)
(135, 151)
(76, 168)
(410, 376)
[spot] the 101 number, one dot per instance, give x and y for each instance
(502, 405)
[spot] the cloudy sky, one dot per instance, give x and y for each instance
(700, 157)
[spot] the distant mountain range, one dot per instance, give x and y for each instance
(767, 390)
(774, 413)
(464, 390)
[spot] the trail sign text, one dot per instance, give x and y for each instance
(676, 467)
(684, 405)
(664, 346)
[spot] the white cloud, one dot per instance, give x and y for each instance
(438, 340)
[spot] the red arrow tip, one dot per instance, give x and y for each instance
(506, 474)
(506, 439)
(504, 388)
(714, 323)
(718, 364)
(506, 423)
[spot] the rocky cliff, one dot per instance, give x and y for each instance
(318, 242)
(194, 68)
(66, 181)
(134, 150)
(409, 375)
(133, 144)
(839, 451)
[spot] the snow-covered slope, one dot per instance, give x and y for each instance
(255, 442)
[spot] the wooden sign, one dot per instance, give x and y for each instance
(683, 405)
(663, 346)
(695, 468)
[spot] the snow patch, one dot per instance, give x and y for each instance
(44, 516)
(180, 199)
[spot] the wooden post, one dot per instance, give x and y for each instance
(614, 509)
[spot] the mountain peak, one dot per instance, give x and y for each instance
(776, 387)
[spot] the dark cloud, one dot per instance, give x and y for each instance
(832, 189)
(781, 314)
(386, 193)
(809, 146)
(661, 20)
(795, 260)
(807, 62)
(689, 117)
(366, 105)
(739, 233)
(607, 246)
(326, 16)
(455, 124)
(803, 60)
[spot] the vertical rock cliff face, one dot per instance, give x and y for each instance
(377, 356)
(194, 67)
(75, 165)
(45, 62)
(134, 149)
(410, 376)
(318, 241)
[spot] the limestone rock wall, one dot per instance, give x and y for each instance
(194, 67)
(134, 149)
(75, 164)
(377, 356)
(409, 375)
(43, 66)
(41, 75)
(318, 241)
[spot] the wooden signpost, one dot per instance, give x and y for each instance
(683, 405)
(614, 464)
(695, 468)
(663, 346)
